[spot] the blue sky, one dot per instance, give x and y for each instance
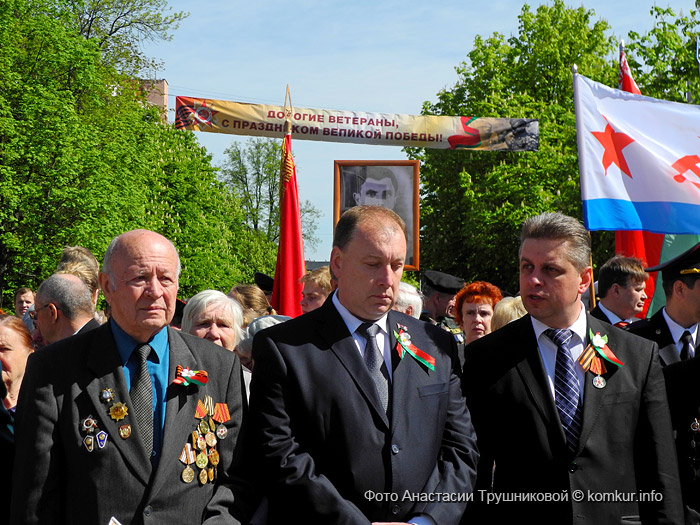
(382, 56)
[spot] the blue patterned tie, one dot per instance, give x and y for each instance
(566, 387)
(374, 360)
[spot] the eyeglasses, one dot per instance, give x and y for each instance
(32, 314)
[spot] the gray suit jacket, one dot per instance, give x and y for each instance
(328, 453)
(57, 480)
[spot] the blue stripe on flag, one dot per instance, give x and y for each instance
(657, 217)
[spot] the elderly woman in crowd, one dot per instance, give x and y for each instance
(474, 309)
(409, 300)
(214, 316)
(15, 347)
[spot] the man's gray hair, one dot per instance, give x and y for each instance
(559, 226)
(199, 303)
(68, 293)
(409, 296)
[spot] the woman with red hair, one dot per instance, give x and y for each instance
(474, 309)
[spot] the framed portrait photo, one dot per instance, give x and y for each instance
(392, 184)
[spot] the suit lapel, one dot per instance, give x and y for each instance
(668, 352)
(106, 369)
(592, 396)
(532, 373)
(179, 411)
(334, 332)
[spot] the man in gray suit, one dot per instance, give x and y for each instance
(121, 424)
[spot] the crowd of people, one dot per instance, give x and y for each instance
(381, 403)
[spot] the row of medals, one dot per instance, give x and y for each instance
(203, 440)
(202, 451)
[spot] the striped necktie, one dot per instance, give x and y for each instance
(566, 387)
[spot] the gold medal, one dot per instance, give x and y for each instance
(124, 431)
(188, 474)
(203, 427)
(118, 411)
(202, 460)
(210, 439)
(202, 443)
(214, 457)
(203, 478)
(210, 473)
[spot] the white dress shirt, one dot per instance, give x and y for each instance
(548, 350)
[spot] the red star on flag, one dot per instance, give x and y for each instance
(613, 142)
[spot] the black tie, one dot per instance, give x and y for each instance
(687, 348)
(374, 360)
(141, 393)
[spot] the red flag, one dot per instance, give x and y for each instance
(286, 292)
(640, 244)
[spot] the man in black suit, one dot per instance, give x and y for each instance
(675, 327)
(621, 285)
(356, 408)
(114, 425)
(63, 308)
(557, 442)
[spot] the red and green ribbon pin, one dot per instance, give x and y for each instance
(404, 345)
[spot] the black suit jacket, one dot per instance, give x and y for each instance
(598, 314)
(90, 325)
(328, 452)
(656, 329)
(57, 480)
(625, 446)
(682, 380)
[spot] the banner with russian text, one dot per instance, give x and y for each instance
(425, 131)
(639, 160)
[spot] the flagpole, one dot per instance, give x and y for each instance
(579, 145)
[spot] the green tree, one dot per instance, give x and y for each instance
(472, 203)
(118, 27)
(252, 171)
(84, 158)
(663, 60)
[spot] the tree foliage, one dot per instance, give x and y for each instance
(663, 60)
(473, 203)
(252, 172)
(118, 27)
(84, 158)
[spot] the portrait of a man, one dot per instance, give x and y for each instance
(390, 184)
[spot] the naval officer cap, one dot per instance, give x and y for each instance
(443, 282)
(685, 264)
(264, 282)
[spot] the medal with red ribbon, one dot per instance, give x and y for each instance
(596, 352)
(187, 377)
(404, 345)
